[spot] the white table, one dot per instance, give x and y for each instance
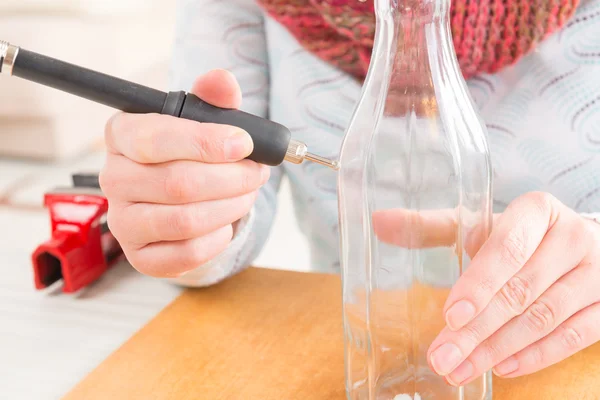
(50, 340)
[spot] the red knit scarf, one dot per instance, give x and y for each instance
(487, 34)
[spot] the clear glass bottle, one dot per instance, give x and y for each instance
(415, 203)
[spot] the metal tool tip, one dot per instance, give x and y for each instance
(8, 54)
(333, 164)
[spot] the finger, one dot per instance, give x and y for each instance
(143, 223)
(415, 229)
(180, 182)
(519, 232)
(171, 259)
(575, 334)
(427, 228)
(566, 297)
(220, 88)
(154, 138)
(545, 267)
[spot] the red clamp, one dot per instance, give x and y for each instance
(81, 248)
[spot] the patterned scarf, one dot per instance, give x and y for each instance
(488, 34)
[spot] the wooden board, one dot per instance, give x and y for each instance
(272, 335)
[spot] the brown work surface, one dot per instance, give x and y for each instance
(272, 335)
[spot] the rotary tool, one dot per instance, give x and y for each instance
(273, 143)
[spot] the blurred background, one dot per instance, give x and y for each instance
(49, 340)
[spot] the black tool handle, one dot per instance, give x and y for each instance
(110, 91)
(270, 139)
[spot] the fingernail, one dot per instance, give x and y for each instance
(445, 358)
(460, 314)
(507, 366)
(462, 373)
(238, 145)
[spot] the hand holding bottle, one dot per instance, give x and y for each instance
(529, 298)
(176, 186)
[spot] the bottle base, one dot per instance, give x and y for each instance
(428, 387)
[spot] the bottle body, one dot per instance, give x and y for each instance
(414, 192)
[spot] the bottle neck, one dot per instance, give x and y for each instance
(423, 51)
(415, 10)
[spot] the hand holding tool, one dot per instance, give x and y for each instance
(272, 141)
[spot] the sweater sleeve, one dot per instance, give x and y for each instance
(228, 35)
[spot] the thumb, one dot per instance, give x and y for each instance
(219, 88)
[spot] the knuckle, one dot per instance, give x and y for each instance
(584, 234)
(109, 130)
(144, 144)
(485, 287)
(207, 247)
(491, 353)
(473, 333)
(578, 234)
(145, 265)
(145, 222)
(208, 144)
(132, 257)
(542, 201)
(139, 133)
(196, 254)
(540, 317)
(114, 220)
(177, 184)
(512, 249)
(126, 224)
(182, 222)
(515, 295)
(107, 180)
(537, 355)
(571, 339)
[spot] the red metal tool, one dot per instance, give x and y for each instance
(81, 248)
